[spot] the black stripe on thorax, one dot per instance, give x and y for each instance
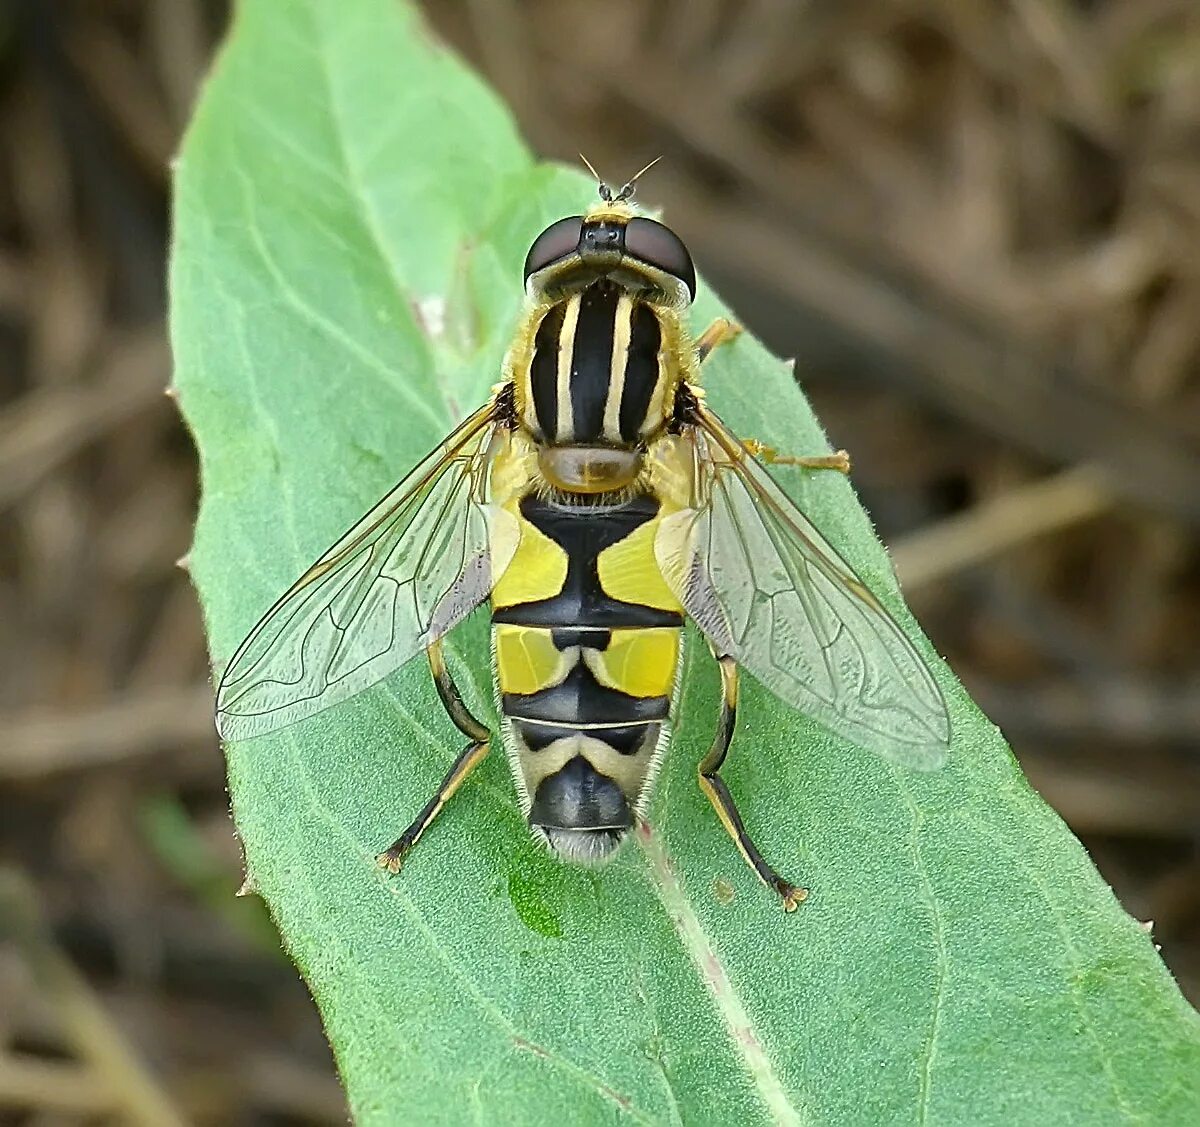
(591, 359)
(543, 370)
(641, 370)
(583, 532)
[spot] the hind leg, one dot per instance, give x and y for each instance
(718, 793)
(468, 759)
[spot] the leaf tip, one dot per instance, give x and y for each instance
(248, 887)
(184, 563)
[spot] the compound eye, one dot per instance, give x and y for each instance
(556, 241)
(659, 246)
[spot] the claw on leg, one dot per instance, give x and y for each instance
(393, 859)
(792, 896)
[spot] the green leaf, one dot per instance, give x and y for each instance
(352, 211)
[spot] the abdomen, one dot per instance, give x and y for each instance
(587, 641)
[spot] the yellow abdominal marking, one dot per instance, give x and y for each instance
(639, 662)
(527, 659)
(629, 571)
(537, 571)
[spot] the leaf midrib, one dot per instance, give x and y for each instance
(712, 972)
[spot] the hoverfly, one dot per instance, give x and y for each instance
(598, 502)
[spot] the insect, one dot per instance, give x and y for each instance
(597, 501)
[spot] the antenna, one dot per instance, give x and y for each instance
(626, 192)
(605, 192)
(627, 189)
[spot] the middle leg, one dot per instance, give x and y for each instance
(720, 332)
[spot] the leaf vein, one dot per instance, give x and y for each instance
(699, 948)
(331, 329)
(1072, 953)
(939, 940)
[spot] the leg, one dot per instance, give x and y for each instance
(452, 698)
(393, 858)
(839, 461)
(721, 331)
(718, 793)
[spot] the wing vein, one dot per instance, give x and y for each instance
(408, 571)
(762, 582)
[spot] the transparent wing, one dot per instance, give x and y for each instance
(412, 568)
(768, 589)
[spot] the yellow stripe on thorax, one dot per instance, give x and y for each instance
(566, 358)
(622, 331)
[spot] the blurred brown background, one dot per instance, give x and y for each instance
(974, 224)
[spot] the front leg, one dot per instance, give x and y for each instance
(718, 793)
(722, 331)
(469, 758)
(839, 460)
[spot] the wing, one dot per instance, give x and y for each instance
(769, 590)
(414, 566)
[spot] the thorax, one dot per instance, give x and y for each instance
(598, 368)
